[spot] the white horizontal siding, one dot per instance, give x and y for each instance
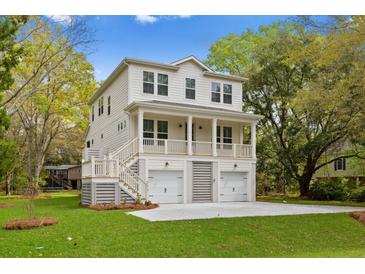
(176, 86)
(229, 165)
(161, 164)
(108, 124)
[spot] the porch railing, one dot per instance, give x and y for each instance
(165, 146)
(100, 168)
(201, 148)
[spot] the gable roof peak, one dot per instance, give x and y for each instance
(194, 59)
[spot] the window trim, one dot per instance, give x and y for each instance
(109, 105)
(190, 88)
(160, 132)
(147, 82)
(161, 84)
(215, 92)
(227, 94)
(340, 164)
(153, 129)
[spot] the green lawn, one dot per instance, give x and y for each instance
(115, 234)
(294, 200)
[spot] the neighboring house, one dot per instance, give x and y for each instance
(169, 133)
(353, 168)
(63, 177)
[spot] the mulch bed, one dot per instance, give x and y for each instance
(100, 207)
(5, 205)
(359, 215)
(30, 223)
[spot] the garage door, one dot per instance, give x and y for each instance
(166, 186)
(233, 186)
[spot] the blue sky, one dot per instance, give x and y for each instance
(162, 38)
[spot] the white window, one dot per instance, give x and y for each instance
(227, 135)
(162, 84)
(148, 129)
(216, 92)
(340, 164)
(189, 88)
(101, 105)
(109, 106)
(162, 130)
(148, 82)
(227, 94)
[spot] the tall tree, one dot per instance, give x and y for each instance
(52, 84)
(10, 53)
(307, 83)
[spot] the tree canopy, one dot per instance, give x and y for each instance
(307, 82)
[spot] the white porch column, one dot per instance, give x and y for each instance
(140, 131)
(214, 137)
(253, 139)
(190, 134)
(241, 134)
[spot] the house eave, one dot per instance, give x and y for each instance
(225, 76)
(194, 110)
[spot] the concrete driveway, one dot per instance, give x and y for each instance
(169, 212)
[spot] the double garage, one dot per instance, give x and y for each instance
(167, 185)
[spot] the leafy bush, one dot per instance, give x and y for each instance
(329, 189)
(358, 194)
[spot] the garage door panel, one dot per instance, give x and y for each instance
(166, 186)
(233, 186)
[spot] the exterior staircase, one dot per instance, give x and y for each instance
(131, 184)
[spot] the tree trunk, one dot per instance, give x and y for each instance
(8, 184)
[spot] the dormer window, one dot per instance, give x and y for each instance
(148, 82)
(227, 94)
(216, 92)
(189, 88)
(162, 87)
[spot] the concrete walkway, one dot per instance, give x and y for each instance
(169, 212)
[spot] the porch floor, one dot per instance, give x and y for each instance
(170, 212)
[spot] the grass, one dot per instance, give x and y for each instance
(116, 234)
(295, 200)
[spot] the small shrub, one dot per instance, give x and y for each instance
(30, 223)
(329, 189)
(358, 194)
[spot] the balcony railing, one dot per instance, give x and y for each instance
(200, 148)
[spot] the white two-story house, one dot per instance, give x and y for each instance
(169, 133)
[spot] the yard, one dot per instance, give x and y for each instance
(115, 234)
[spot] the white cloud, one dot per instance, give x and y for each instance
(146, 19)
(150, 19)
(63, 19)
(183, 16)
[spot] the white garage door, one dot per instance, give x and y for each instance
(233, 186)
(166, 186)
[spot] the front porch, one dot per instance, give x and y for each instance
(159, 132)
